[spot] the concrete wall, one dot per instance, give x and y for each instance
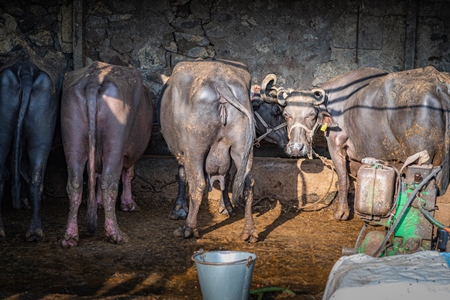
(294, 182)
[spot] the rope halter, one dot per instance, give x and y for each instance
(310, 132)
(268, 130)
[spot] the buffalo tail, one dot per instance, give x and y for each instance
(238, 185)
(26, 83)
(91, 97)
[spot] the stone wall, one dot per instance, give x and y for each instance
(41, 26)
(304, 42)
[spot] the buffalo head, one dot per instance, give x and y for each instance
(301, 112)
(269, 120)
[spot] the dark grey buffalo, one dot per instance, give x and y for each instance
(207, 122)
(106, 120)
(269, 120)
(369, 113)
(29, 102)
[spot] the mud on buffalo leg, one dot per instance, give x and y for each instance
(225, 206)
(249, 232)
(126, 200)
(342, 212)
(196, 180)
(110, 190)
(180, 209)
(75, 192)
(35, 232)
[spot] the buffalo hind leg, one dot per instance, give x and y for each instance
(98, 192)
(225, 206)
(126, 200)
(74, 191)
(35, 232)
(249, 233)
(342, 212)
(110, 190)
(197, 185)
(180, 209)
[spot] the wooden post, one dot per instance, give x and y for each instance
(78, 51)
(410, 40)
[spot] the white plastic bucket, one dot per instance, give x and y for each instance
(224, 275)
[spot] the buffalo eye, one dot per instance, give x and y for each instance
(276, 110)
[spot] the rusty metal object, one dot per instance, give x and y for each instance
(374, 192)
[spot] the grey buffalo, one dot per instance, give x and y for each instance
(106, 120)
(30, 89)
(369, 113)
(269, 125)
(207, 122)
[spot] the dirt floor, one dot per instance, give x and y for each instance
(296, 251)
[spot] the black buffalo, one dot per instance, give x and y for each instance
(269, 120)
(207, 121)
(106, 120)
(29, 102)
(368, 113)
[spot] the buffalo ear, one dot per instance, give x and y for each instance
(327, 120)
(256, 103)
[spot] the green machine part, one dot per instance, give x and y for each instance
(413, 231)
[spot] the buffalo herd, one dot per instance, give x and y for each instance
(209, 114)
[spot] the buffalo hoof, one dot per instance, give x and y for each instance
(249, 237)
(230, 210)
(223, 211)
(342, 214)
(25, 203)
(69, 241)
(132, 206)
(179, 213)
(186, 232)
(227, 211)
(35, 236)
(118, 238)
(2, 236)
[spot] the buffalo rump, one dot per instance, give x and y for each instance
(106, 120)
(207, 122)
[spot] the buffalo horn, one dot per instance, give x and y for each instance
(282, 94)
(319, 95)
(268, 82)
